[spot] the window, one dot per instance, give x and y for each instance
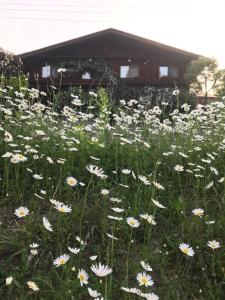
(46, 71)
(129, 71)
(173, 72)
(165, 71)
(86, 75)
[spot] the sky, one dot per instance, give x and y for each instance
(192, 25)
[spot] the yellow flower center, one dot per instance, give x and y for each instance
(62, 261)
(62, 209)
(185, 250)
(81, 277)
(21, 213)
(144, 280)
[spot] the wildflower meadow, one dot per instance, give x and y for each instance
(112, 204)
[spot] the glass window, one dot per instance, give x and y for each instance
(173, 72)
(86, 75)
(163, 71)
(46, 71)
(129, 71)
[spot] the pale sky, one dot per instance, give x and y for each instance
(192, 25)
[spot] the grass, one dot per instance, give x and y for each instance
(59, 146)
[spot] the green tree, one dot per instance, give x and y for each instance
(204, 75)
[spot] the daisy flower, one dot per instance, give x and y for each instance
(144, 179)
(74, 250)
(8, 280)
(186, 249)
(63, 208)
(144, 279)
(146, 266)
(33, 286)
(47, 224)
(179, 168)
(96, 171)
(83, 276)
(61, 260)
(94, 257)
(198, 212)
(71, 181)
(133, 222)
(213, 244)
(158, 204)
(21, 212)
(101, 270)
(93, 293)
(104, 192)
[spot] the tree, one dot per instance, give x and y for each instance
(10, 64)
(204, 75)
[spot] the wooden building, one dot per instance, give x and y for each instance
(134, 60)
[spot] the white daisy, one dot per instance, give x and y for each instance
(101, 270)
(47, 224)
(61, 260)
(83, 276)
(21, 212)
(186, 249)
(213, 244)
(133, 222)
(33, 286)
(144, 279)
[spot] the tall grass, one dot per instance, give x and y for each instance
(177, 161)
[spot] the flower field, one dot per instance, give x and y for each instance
(102, 204)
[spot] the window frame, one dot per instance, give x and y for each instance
(129, 71)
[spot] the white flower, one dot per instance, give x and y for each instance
(8, 280)
(126, 171)
(144, 279)
(83, 276)
(63, 208)
(74, 250)
(104, 192)
(112, 236)
(71, 181)
(209, 185)
(34, 245)
(213, 244)
(33, 286)
(61, 70)
(101, 270)
(133, 222)
(178, 168)
(176, 92)
(146, 266)
(94, 257)
(198, 212)
(34, 252)
(96, 171)
(36, 176)
(158, 204)
(93, 293)
(117, 209)
(149, 218)
(144, 179)
(115, 218)
(47, 224)
(21, 212)
(186, 249)
(61, 260)
(158, 185)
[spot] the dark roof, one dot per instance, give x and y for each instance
(105, 32)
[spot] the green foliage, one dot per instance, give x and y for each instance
(139, 152)
(204, 75)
